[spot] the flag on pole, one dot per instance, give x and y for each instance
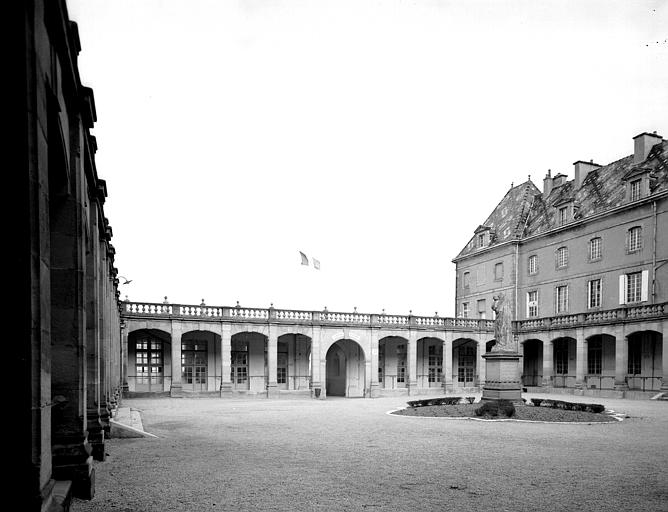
(304, 258)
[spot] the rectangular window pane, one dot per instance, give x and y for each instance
(633, 287)
(562, 299)
(594, 293)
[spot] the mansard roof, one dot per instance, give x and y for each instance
(525, 211)
(506, 222)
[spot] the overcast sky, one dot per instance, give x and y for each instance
(373, 135)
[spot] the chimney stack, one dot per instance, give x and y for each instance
(583, 168)
(547, 183)
(558, 180)
(643, 144)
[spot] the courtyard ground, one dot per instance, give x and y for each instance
(348, 455)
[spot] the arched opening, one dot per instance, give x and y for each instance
(532, 369)
(248, 358)
(564, 357)
(199, 354)
(345, 369)
(392, 362)
(464, 352)
(430, 363)
(600, 362)
(293, 366)
(645, 355)
(149, 361)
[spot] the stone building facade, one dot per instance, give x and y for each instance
(583, 263)
(65, 349)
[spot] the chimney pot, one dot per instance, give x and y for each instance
(643, 144)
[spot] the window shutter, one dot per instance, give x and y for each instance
(528, 304)
(589, 283)
(622, 289)
(645, 285)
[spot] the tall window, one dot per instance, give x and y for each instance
(561, 357)
(635, 358)
(466, 280)
(594, 293)
(562, 299)
(595, 249)
(533, 264)
(435, 363)
(635, 190)
(532, 304)
(466, 367)
(562, 257)
(563, 215)
(498, 271)
(381, 362)
(594, 356)
(465, 309)
(634, 239)
(634, 287)
(482, 308)
(481, 240)
(149, 362)
(401, 362)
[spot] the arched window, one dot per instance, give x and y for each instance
(562, 257)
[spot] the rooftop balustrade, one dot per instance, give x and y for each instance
(275, 315)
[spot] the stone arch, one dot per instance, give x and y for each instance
(149, 361)
(430, 362)
(564, 357)
(392, 362)
(644, 370)
(600, 361)
(248, 358)
(200, 361)
(293, 361)
(465, 365)
(345, 369)
(532, 362)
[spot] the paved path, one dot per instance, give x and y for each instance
(348, 455)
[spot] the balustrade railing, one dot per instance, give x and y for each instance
(626, 313)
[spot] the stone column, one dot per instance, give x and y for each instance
(94, 425)
(176, 389)
(318, 362)
(447, 363)
(272, 360)
(124, 358)
(226, 361)
(580, 357)
(621, 358)
(71, 451)
(664, 358)
(548, 363)
(412, 384)
(374, 391)
(480, 363)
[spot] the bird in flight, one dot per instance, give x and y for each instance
(127, 281)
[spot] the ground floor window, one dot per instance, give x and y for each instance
(594, 356)
(401, 362)
(561, 357)
(194, 362)
(239, 357)
(435, 368)
(466, 366)
(635, 358)
(149, 363)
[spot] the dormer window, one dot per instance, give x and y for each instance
(564, 212)
(563, 215)
(634, 191)
(481, 240)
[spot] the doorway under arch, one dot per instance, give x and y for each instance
(345, 369)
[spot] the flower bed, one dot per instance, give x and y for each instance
(522, 412)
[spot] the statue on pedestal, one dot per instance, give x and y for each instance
(503, 327)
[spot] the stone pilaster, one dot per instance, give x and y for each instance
(176, 389)
(374, 390)
(548, 363)
(412, 383)
(580, 358)
(272, 361)
(447, 363)
(226, 361)
(621, 359)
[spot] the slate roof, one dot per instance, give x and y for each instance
(525, 211)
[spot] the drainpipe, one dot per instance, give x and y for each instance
(517, 255)
(654, 254)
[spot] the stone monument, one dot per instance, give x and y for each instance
(502, 363)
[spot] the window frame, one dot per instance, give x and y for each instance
(595, 294)
(532, 258)
(562, 257)
(498, 265)
(635, 189)
(533, 307)
(599, 248)
(634, 239)
(561, 306)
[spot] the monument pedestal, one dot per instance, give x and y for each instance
(502, 377)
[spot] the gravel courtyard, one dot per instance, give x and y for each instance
(348, 454)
